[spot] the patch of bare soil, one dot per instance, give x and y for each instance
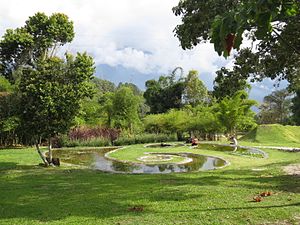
(293, 169)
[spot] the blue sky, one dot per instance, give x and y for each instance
(130, 40)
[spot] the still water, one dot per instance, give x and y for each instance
(240, 150)
(95, 159)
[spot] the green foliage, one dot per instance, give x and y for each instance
(113, 106)
(40, 37)
(136, 91)
(9, 118)
(200, 120)
(197, 18)
(171, 122)
(124, 108)
(276, 108)
(229, 115)
(103, 86)
(296, 107)
(5, 85)
(204, 120)
(174, 94)
(49, 90)
(64, 141)
(225, 23)
(227, 83)
(167, 90)
(235, 113)
(215, 20)
(195, 92)
(145, 138)
(90, 112)
(14, 51)
(51, 94)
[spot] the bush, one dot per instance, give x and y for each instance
(87, 136)
(89, 133)
(145, 138)
(64, 141)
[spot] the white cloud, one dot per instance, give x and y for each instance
(135, 34)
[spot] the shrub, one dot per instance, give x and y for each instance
(94, 142)
(145, 138)
(88, 133)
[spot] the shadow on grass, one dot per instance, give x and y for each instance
(49, 194)
(6, 166)
(240, 208)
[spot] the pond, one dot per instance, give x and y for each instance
(240, 150)
(163, 145)
(95, 159)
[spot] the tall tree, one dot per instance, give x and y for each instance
(39, 38)
(125, 109)
(164, 94)
(135, 89)
(195, 91)
(227, 83)
(235, 113)
(103, 86)
(276, 108)
(50, 89)
(51, 95)
(296, 107)
(225, 23)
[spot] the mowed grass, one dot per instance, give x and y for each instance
(30, 194)
(273, 134)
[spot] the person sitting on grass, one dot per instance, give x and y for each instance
(195, 141)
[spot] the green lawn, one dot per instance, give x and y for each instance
(273, 135)
(30, 194)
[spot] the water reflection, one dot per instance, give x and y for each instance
(96, 160)
(239, 150)
(163, 145)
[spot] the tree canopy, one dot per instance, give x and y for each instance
(235, 112)
(228, 83)
(49, 89)
(225, 22)
(296, 107)
(276, 108)
(38, 38)
(274, 24)
(195, 91)
(51, 94)
(164, 94)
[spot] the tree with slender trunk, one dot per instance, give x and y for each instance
(51, 96)
(50, 88)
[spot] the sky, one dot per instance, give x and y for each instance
(130, 40)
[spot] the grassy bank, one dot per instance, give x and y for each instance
(35, 195)
(273, 134)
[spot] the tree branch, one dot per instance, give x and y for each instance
(286, 43)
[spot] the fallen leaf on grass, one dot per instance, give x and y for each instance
(257, 199)
(136, 209)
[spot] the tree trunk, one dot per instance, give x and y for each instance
(50, 150)
(41, 154)
(179, 136)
